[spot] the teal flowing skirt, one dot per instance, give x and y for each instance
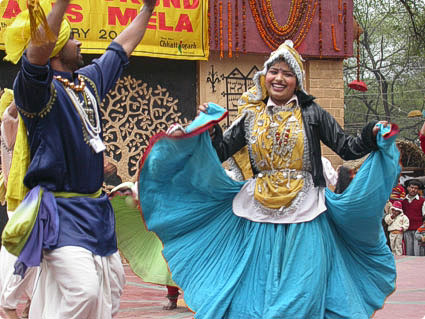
(335, 266)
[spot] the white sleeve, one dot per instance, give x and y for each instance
(330, 174)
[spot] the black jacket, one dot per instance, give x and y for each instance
(319, 126)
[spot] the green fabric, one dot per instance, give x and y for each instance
(140, 247)
(20, 225)
(70, 194)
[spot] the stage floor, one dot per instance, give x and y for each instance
(143, 300)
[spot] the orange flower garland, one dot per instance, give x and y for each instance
(220, 9)
(209, 20)
(267, 12)
(334, 38)
(345, 29)
(215, 24)
(244, 26)
(229, 29)
(299, 21)
(236, 28)
(320, 30)
(304, 31)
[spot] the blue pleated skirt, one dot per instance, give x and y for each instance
(335, 266)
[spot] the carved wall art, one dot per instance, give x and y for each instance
(135, 112)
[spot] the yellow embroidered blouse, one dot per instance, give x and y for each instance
(277, 148)
(278, 152)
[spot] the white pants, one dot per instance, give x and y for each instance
(396, 242)
(76, 284)
(13, 287)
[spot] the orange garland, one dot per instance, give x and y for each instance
(267, 12)
(334, 38)
(244, 26)
(266, 38)
(229, 28)
(345, 29)
(299, 22)
(304, 31)
(236, 28)
(215, 24)
(209, 20)
(320, 30)
(220, 8)
(270, 31)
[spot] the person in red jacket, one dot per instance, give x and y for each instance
(414, 209)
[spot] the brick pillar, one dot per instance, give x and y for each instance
(324, 80)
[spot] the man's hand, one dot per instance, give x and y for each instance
(131, 36)
(150, 4)
(37, 54)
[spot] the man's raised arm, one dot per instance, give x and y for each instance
(39, 54)
(131, 36)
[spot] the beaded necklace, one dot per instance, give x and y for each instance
(283, 143)
(282, 136)
(87, 109)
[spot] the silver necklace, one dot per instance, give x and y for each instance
(94, 129)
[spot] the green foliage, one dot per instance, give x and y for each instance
(391, 64)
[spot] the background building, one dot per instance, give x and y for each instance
(156, 92)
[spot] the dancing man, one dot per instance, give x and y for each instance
(81, 272)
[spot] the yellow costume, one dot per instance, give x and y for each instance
(17, 38)
(20, 32)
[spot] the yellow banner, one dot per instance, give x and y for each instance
(178, 29)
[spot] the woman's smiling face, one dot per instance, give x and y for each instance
(281, 83)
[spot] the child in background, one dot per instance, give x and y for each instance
(420, 236)
(397, 224)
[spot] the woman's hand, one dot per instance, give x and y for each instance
(175, 130)
(375, 129)
(204, 108)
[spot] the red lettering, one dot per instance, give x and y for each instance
(73, 13)
(187, 5)
(162, 23)
(12, 9)
(152, 22)
(133, 1)
(167, 3)
(114, 14)
(184, 24)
